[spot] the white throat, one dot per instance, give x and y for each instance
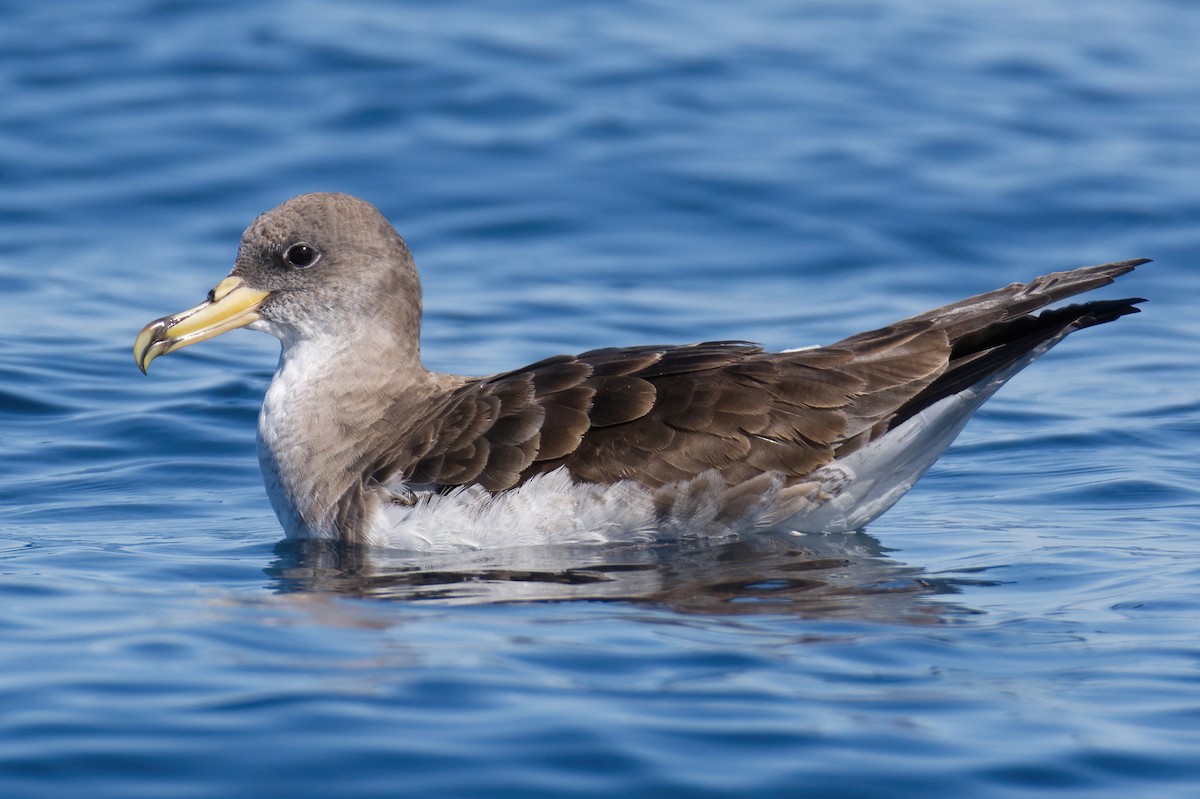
(327, 393)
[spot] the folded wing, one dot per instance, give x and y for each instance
(662, 414)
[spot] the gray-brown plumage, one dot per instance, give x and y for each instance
(354, 422)
(663, 414)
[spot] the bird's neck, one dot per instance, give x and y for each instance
(327, 401)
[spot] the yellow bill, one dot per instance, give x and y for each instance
(230, 305)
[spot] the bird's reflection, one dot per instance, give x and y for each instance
(832, 575)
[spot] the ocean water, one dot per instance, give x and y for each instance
(1025, 623)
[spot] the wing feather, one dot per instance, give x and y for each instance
(661, 414)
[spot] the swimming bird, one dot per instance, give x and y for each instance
(359, 442)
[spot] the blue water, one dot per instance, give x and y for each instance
(1025, 623)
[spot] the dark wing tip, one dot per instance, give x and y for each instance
(1131, 263)
(1118, 268)
(1100, 311)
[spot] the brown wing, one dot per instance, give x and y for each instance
(657, 415)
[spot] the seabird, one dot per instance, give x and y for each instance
(359, 442)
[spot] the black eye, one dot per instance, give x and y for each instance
(301, 255)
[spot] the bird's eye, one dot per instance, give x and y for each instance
(301, 255)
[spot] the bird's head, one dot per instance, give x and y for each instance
(309, 268)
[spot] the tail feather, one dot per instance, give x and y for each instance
(1020, 299)
(984, 341)
(994, 348)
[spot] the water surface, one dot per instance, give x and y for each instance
(1025, 623)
